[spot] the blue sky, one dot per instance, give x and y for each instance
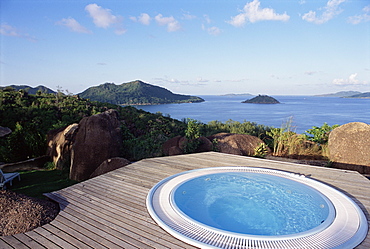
(193, 47)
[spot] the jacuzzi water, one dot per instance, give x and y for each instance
(251, 203)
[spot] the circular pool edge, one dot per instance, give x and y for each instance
(348, 229)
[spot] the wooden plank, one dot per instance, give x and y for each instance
(94, 239)
(128, 231)
(101, 235)
(28, 241)
(65, 236)
(53, 237)
(13, 243)
(142, 226)
(106, 227)
(138, 205)
(105, 202)
(41, 239)
(77, 233)
(116, 234)
(3, 244)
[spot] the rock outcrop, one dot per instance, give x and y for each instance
(109, 165)
(98, 139)
(349, 144)
(237, 144)
(4, 131)
(60, 144)
(176, 146)
(171, 147)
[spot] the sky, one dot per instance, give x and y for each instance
(197, 47)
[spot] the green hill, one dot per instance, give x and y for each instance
(30, 90)
(135, 93)
(262, 99)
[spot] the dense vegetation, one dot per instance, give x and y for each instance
(28, 89)
(135, 93)
(262, 99)
(30, 117)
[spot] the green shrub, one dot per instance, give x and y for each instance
(261, 150)
(320, 135)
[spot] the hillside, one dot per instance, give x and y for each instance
(339, 94)
(30, 90)
(262, 99)
(360, 95)
(135, 93)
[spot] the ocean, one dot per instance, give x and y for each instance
(304, 111)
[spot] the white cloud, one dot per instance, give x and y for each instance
(165, 79)
(365, 17)
(73, 25)
(120, 31)
(207, 19)
(187, 16)
(144, 19)
(253, 13)
(350, 81)
(103, 18)
(330, 11)
(171, 23)
(214, 31)
(8, 30)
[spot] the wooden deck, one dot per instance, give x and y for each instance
(109, 211)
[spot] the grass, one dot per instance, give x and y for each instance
(35, 183)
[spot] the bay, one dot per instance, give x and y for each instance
(305, 111)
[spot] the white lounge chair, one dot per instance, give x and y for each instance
(7, 177)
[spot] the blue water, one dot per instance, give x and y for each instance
(305, 111)
(251, 203)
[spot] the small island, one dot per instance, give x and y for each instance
(262, 99)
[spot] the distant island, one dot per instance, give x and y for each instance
(360, 96)
(340, 94)
(28, 89)
(262, 99)
(135, 93)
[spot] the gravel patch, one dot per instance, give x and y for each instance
(20, 213)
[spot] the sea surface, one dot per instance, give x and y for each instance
(304, 111)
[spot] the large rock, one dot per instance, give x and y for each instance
(109, 165)
(60, 143)
(4, 131)
(349, 144)
(205, 145)
(98, 139)
(237, 144)
(171, 147)
(176, 146)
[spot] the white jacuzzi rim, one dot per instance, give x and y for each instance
(187, 230)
